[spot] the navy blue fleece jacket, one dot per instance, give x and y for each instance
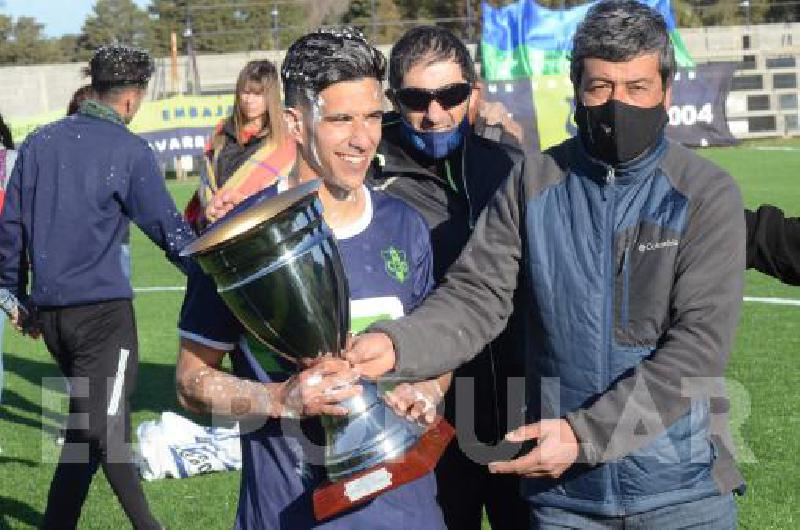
(76, 185)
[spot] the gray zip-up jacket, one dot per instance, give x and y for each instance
(631, 285)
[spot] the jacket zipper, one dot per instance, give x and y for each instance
(608, 192)
(449, 174)
(498, 435)
(471, 220)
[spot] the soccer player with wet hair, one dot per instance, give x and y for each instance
(334, 107)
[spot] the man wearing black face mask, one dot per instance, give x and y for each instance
(622, 255)
(430, 157)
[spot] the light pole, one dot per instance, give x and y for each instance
(274, 13)
(468, 13)
(188, 34)
(373, 20)
(746, 5)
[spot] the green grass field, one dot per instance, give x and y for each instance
(764, 368)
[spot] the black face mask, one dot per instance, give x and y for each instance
(616, 132)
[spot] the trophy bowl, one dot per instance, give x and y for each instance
(277, 266)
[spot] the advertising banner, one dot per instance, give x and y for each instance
(545, 105)
(175, 126)
(525, 60)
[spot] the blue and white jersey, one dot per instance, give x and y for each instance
(388, 262)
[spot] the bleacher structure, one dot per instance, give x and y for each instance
(763, 101)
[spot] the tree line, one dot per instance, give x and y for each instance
(220, 26)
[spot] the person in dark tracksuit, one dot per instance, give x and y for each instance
(431, 157)
(76, 185)
(773, 243)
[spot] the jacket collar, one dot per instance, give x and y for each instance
(96, 109)
(397, 155)
(640, 167)
(229, 130)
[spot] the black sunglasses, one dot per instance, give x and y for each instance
(419, 99)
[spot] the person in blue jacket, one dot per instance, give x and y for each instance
(624, 255)
(76, 185)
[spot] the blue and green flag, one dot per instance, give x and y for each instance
(524, 39)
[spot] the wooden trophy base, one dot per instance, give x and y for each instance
(335, 497)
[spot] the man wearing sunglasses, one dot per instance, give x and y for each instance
(431, 158)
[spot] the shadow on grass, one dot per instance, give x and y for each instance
(155, 388)
(15, 460)
(7, 415)
(12, 399)
(13, 510)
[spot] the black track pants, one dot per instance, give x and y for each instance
(95, 346)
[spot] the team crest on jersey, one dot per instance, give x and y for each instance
(396, 264)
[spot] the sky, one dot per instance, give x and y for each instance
(58, 16)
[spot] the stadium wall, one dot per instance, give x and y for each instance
(764, 100)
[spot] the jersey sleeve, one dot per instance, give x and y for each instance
(423, 261)
(149, 205)
(773, 243)
(204, 316)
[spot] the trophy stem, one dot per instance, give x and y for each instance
(371, 433)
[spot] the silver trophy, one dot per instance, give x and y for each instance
(277, 267)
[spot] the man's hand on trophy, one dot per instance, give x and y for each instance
(320, 389)
(222, 203)
(372, 354)
(416, 401)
